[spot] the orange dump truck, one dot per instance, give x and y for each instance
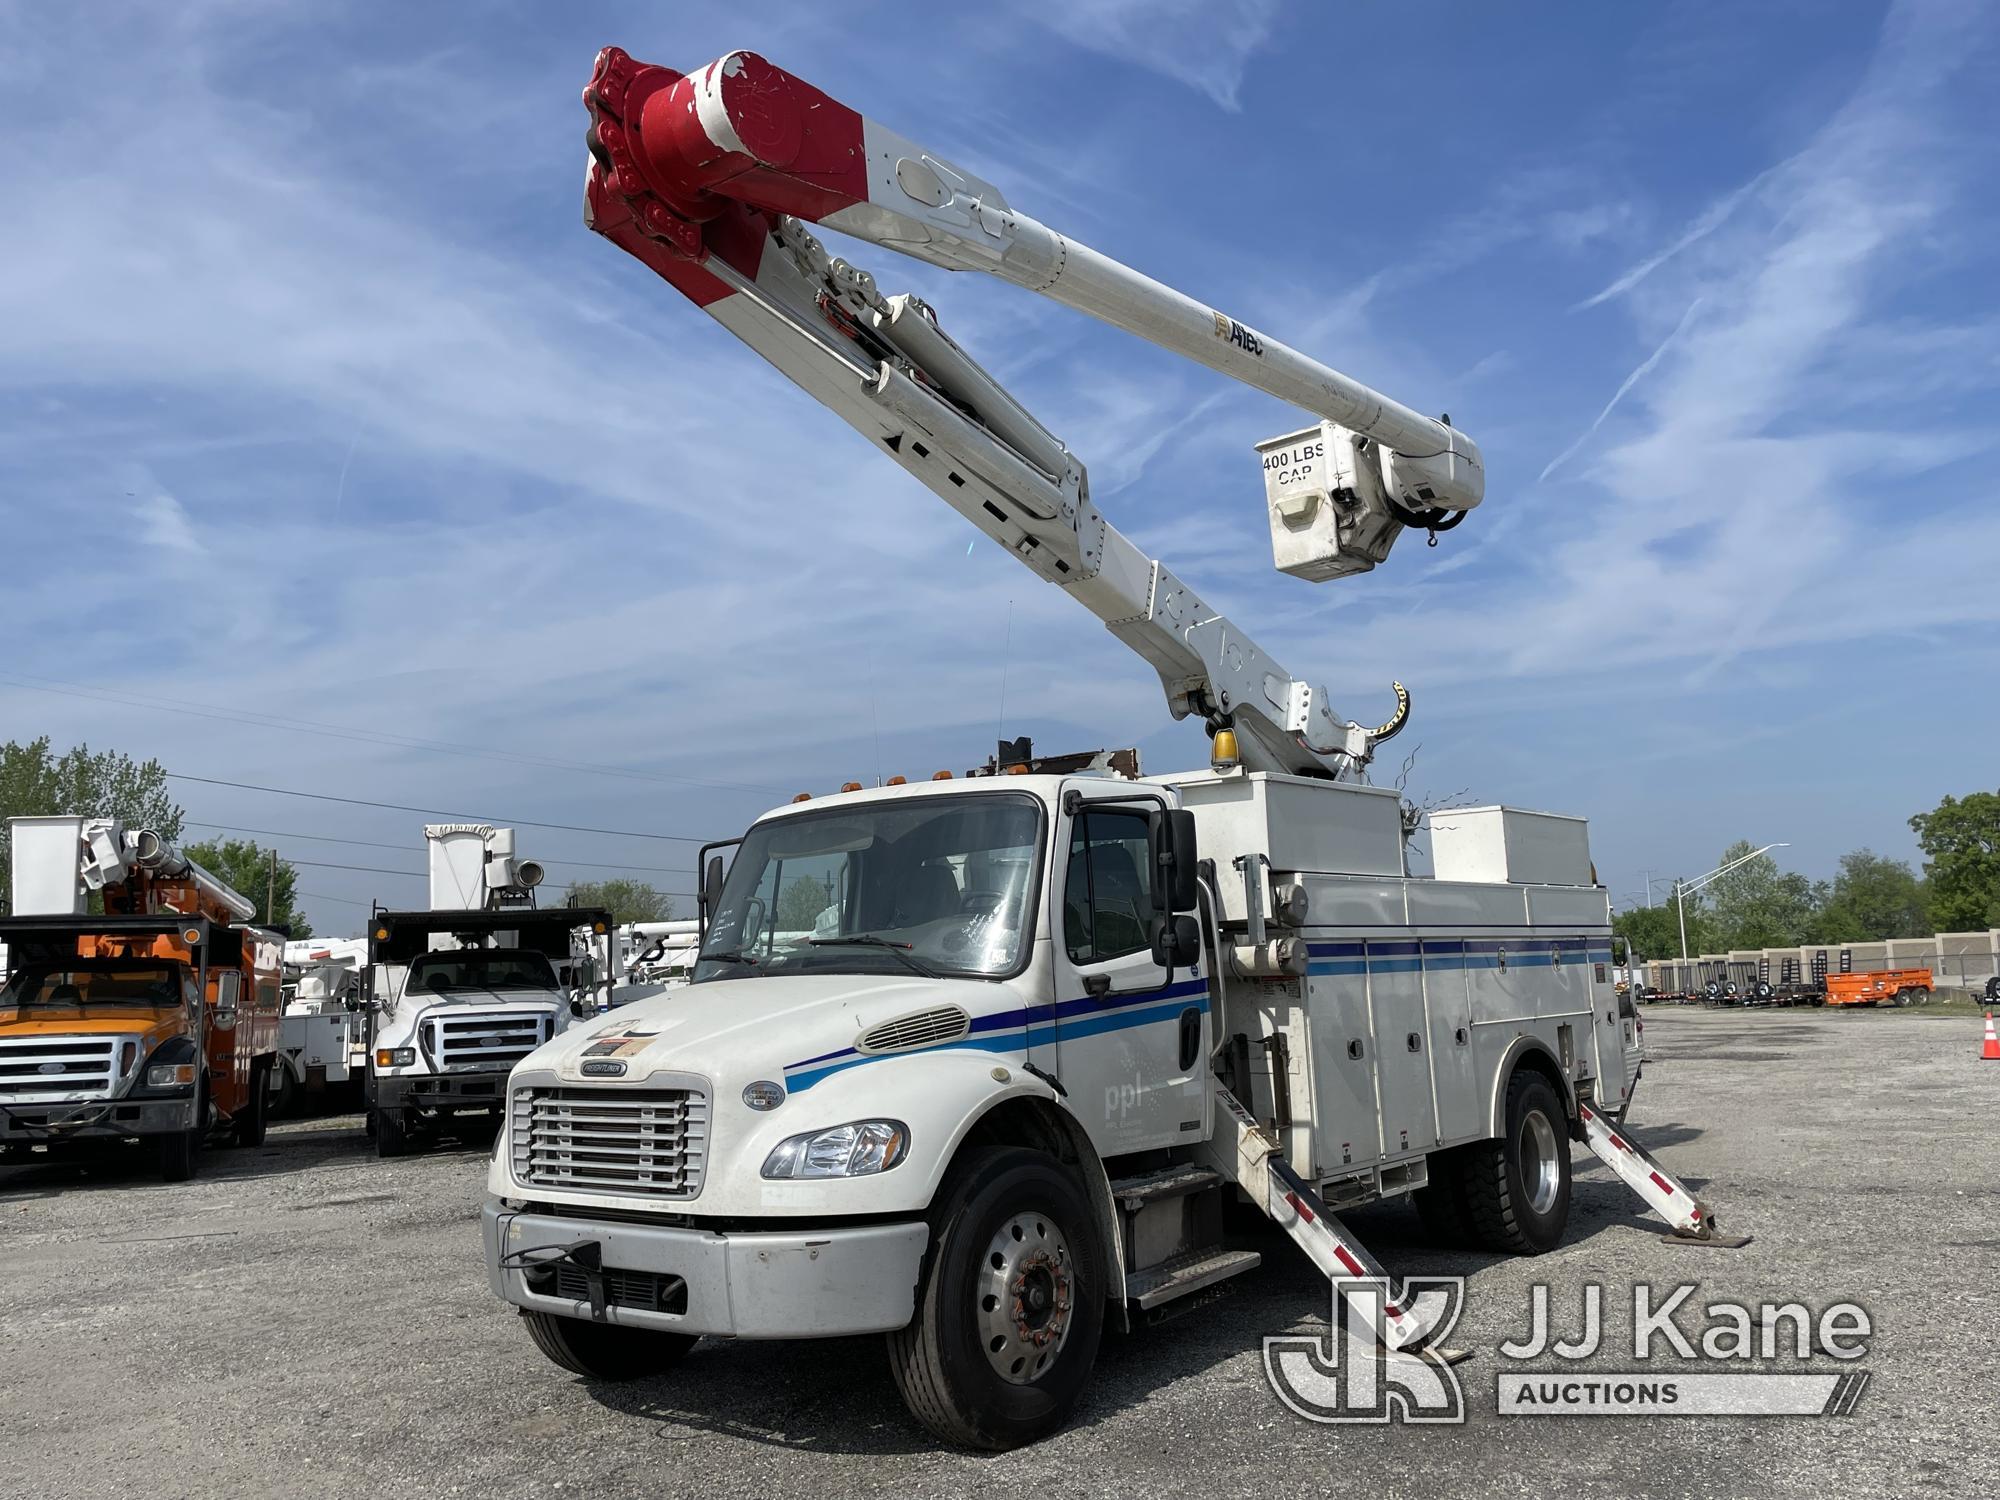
(1903, 986)
(157, 1019)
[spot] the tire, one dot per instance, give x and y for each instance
(287, 1092)
(1440, 1205)
(1005, 1218)
(180, 1151)
(392, 1136)
(255, 1114)
(1517, 1188)
(606, 1351)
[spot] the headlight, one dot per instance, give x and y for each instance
(395, 1057)
(170, 1075)
(854, 1150)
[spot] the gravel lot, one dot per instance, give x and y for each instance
(305, 1319)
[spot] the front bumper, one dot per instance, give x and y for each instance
(807, 1283)
(440, 1090)
(99, 1119)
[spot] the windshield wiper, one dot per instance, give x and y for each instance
(731, 957)
(876, 940)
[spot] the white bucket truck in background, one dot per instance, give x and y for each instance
(654, 957)
(323, 1036)
(461, 991)
(976, 1063)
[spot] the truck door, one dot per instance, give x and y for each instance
(1132, 1034)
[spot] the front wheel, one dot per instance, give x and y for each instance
(392, 1135)
(180, 1150)
(1010, 1309)
(1517, 1188)
(605, 1351)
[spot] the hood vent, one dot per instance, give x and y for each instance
(921, 1028)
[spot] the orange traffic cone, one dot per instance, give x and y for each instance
(1991, 1051)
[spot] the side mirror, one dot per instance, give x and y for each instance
(1175, 860)
(710, 895)
(576, 1008)
(1176, 941)
(228, 996)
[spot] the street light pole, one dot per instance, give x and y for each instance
(1682, 887)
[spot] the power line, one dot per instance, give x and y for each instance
(438, 812)
(314, 864)
(362, 736)
(321, 896)
(327, 838)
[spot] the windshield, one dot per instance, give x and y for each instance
(940, 885)
(480, 969)
(94, 981)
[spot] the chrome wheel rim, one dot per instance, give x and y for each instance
(1025, 1295)
(1541, 1168)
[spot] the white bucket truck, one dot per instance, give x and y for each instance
(975, 1063)
(461, 991)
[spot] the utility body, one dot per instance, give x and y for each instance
(978, 1062)
(461, 991)
(156, 1018)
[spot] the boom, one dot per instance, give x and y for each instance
(709, 178)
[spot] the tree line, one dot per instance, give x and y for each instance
(1870, 899)
(36, 781)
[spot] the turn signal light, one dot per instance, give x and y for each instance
(897, 781)
(850, 786)
(940, 776)
(803, 797)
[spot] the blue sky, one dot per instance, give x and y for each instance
(336, 455)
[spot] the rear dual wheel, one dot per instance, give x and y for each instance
(1512, 1194)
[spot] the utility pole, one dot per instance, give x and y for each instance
(271, 890)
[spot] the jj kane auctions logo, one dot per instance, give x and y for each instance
(1351, 1374)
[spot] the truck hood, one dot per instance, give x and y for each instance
(94, 1020)
(789, 1027)
(480, 998)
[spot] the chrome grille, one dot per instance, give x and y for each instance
(923, 1028)
(57, 1067)
(487, 1043)
(650, 1142)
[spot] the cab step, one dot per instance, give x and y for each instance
(1186, 1274)
(1134, 1193)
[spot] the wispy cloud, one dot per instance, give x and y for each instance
(1705, 223)
(1205, 44)
(1640, 372)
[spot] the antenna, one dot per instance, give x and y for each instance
(1006, 651)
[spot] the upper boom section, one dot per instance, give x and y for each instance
(706, 179)
(743, 131)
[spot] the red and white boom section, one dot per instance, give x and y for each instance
(710, 178)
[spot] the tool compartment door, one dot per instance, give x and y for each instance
(1408, 1109)
(1344, 1115)
(1461, 1108)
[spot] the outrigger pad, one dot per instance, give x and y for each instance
(1713, 1241)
